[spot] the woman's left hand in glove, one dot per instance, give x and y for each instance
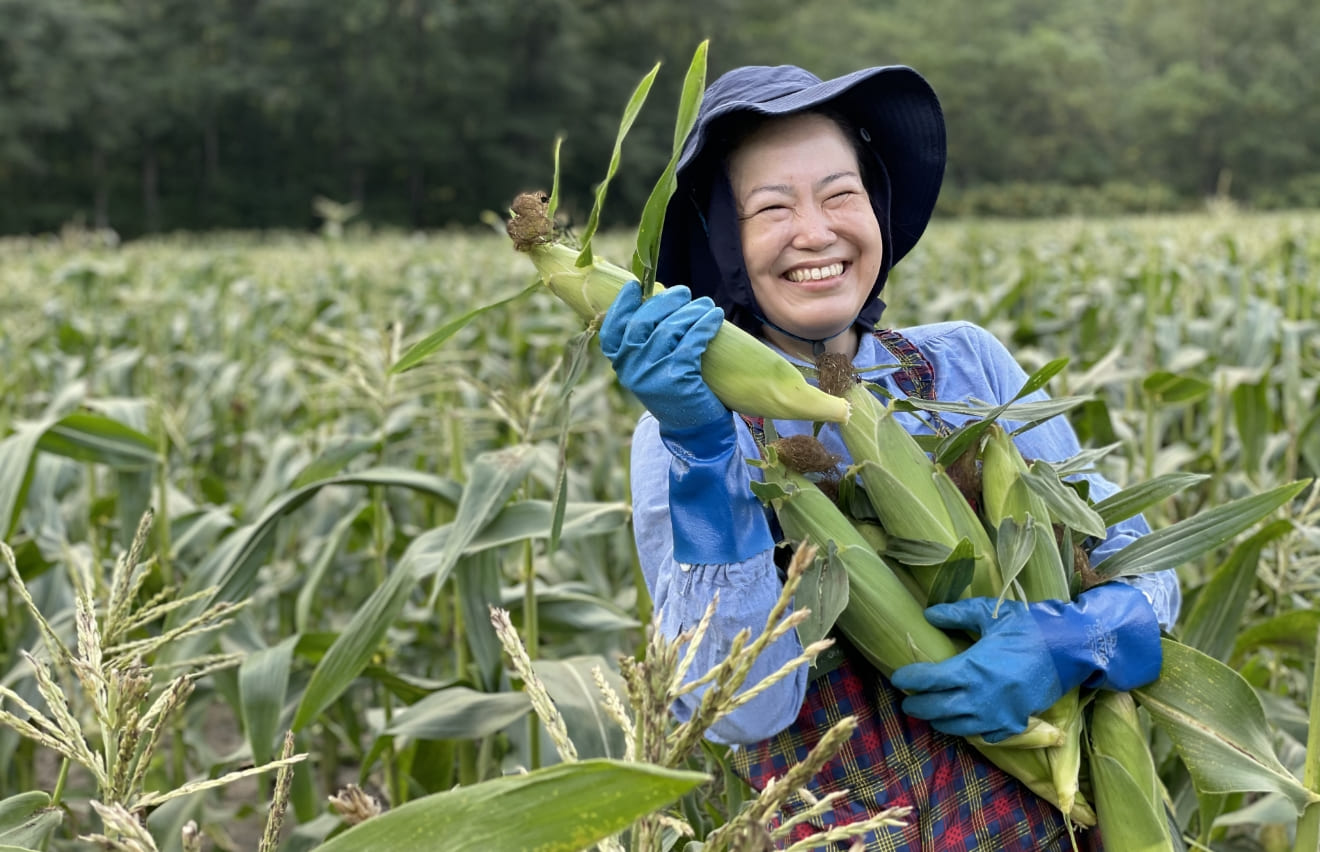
(1030, 655)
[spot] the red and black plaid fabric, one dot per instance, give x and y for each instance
(960, 800)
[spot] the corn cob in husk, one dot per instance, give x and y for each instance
(745, 374)
(887, 624)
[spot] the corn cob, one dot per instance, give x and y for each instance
(886, 623)
(747, 376)
(908, 491)
(1128, 794)
(1012, 508)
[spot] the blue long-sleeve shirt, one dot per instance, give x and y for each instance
(969, 364)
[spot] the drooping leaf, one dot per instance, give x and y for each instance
(1218, 726)
(1192, 537)
(954, 576)
(823, 591)
(1212, 624)
(459, 713)
(561, 808)
(429, 345)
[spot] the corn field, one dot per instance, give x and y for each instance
(325, 536)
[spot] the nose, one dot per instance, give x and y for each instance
(814, 228)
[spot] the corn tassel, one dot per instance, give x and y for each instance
(745, 374)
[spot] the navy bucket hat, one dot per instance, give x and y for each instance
(897, 117)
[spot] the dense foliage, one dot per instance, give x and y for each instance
(365, 520)
(149, 115)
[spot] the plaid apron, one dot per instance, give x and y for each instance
(960, 800)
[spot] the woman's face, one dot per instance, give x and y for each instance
(810, 239)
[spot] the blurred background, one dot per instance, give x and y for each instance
(163, 115)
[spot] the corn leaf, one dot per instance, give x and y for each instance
(1292, 632)
(1175, 389)
(17, 458)
(1214, 620)
(232, 566)
(355, 646)
(653, 214)
(1065, 504)
(823, 591)
(573, 688)
(263, 683)
(1203, 532)
(562, 808)
(460, 713)
(476, 587)
(96, 438)
(427, 346)
(1218, 726)
(1136, 499)
(953, 576)
(629, 116)
(493, 478)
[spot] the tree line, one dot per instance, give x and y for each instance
(152, 115)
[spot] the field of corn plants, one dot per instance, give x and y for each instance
(227, 519)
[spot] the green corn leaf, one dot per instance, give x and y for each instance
(629, 116)
(562, 808)
(232, 566)
(1064, 503)
(494, 476)
(1292, 632)
(954, 576)
(1174, 389)
(1191, 537)
(15, 810)
(653, 214)
(17, 458)
(263, 683)
(95, 438)
(823, 591)
(1218, 726)
(429, 345)
(1134, 500)
(354, 647)
(459, 713)
(1212, 624)
(1014, 544)
(476, 587)
(570, 683)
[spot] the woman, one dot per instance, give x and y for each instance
(795, 197)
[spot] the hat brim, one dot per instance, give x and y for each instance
(893, 105)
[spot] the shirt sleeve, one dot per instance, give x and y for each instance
(998, 373)
(681, 593)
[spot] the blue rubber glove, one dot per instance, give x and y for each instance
(1029, 656)
(656, 347)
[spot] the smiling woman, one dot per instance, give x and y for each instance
(811, 242)
(795, 197)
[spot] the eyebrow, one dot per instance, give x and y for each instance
(785, 189)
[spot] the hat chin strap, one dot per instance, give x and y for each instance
(817, 345)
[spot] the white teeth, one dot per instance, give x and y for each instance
(815, 274)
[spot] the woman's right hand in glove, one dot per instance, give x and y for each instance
(656, 346)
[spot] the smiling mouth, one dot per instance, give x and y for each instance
(814, 273)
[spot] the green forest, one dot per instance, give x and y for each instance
(163, 115)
